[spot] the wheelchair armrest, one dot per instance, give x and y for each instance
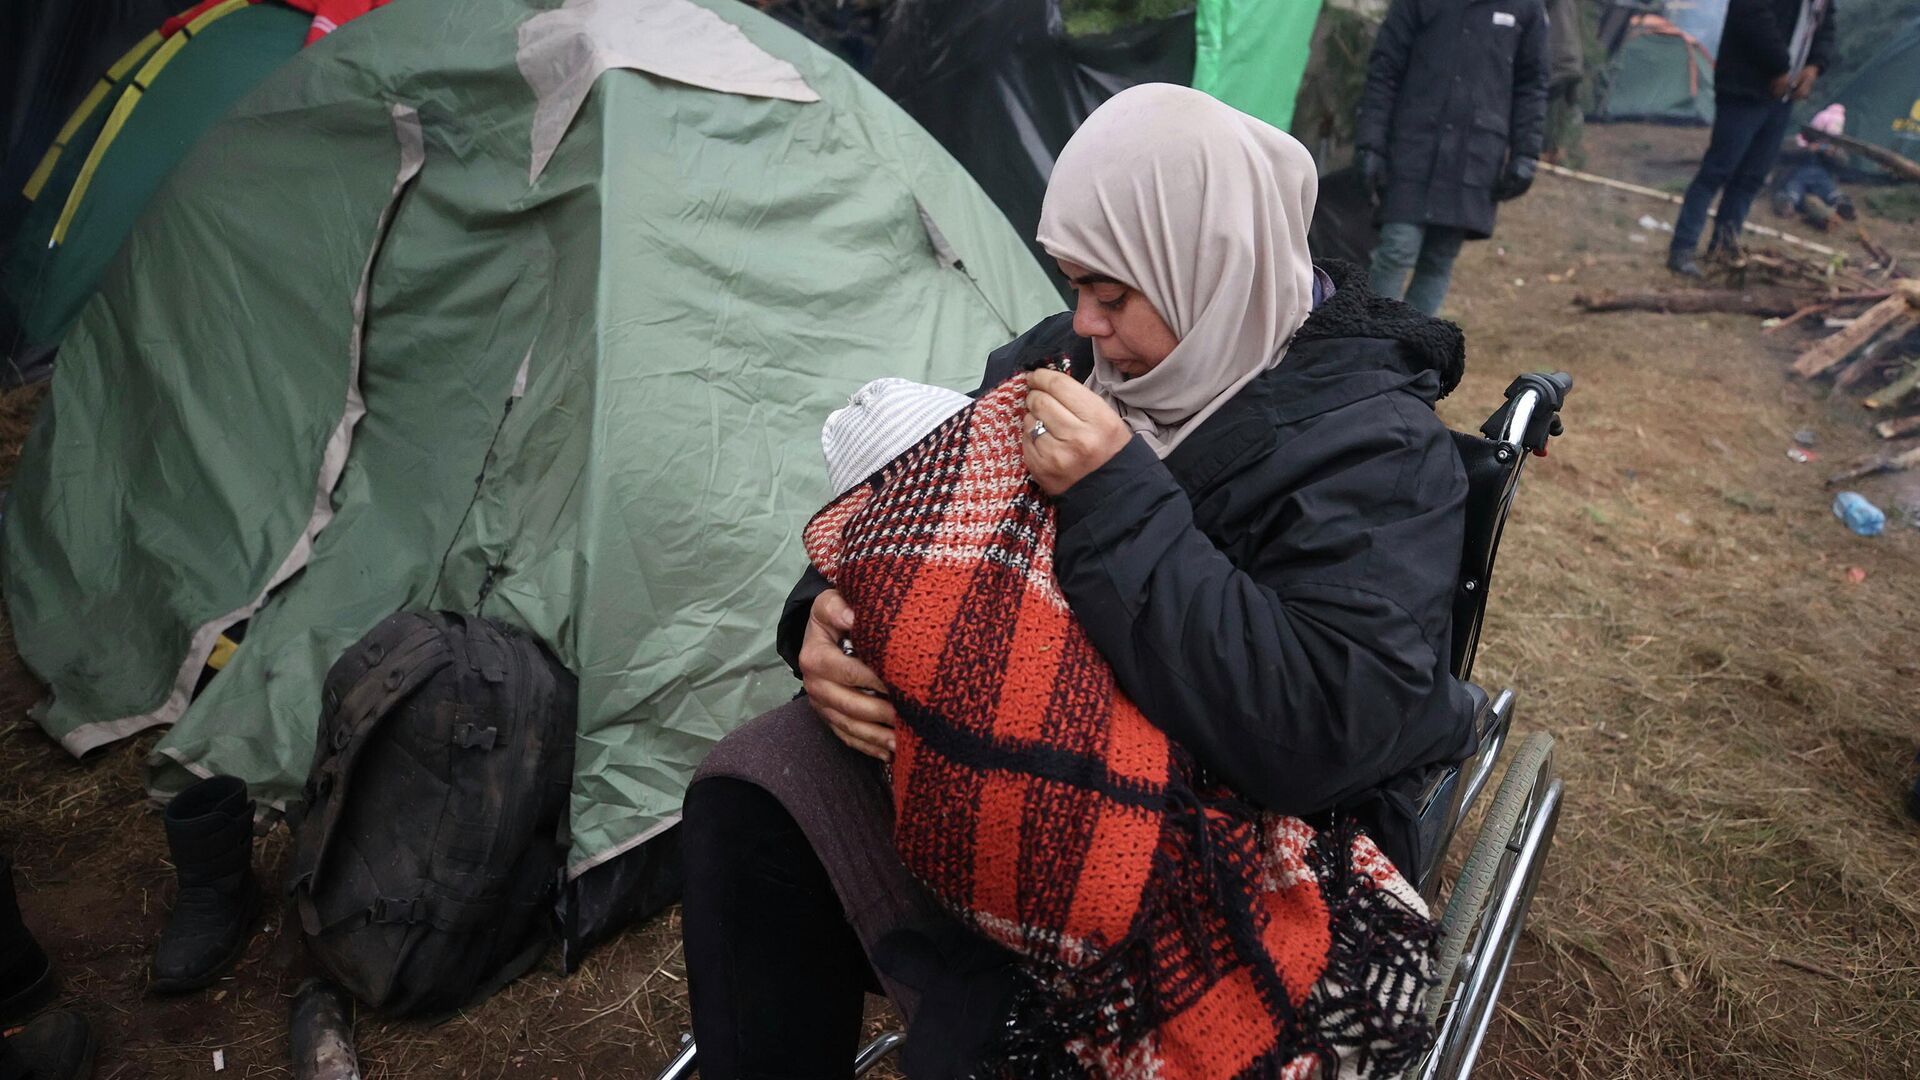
(1451, 790)
(1494, 724)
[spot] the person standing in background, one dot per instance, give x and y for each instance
(1566, 81)
(1771, 53)
(1451, 122)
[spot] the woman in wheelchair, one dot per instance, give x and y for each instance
(1260, 524)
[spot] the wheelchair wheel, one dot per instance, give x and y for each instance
(1488, 907)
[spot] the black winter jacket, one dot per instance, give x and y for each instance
(1756, 42)
(1276, 595)
(1454, 87)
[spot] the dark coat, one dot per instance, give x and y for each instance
(1454, 87)
(1276, 595)
(1755, 46)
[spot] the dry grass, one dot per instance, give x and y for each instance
(1734, 891)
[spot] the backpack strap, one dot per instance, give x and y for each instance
(394, 674)
(446, 913)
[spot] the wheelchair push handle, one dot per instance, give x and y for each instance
(1531, 415)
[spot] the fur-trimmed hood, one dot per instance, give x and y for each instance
(1356, 311)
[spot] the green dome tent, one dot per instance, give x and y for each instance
(1659, 73)
(503, 308)
(114, 150)
(1883, 101)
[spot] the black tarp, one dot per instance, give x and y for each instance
(1002, 84)
(1344, 225)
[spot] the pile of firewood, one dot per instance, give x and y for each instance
(1877, 356)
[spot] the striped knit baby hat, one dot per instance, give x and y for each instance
(882, 421)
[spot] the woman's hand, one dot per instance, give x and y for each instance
(1081, 431)
(845, 692)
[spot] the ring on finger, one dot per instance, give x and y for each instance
(1039, 429)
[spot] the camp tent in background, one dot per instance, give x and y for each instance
(1883, 101)
(1660, 73)
(413, 326)
(80, 187)
(118, 146)
(54, 53)
(1003, 85)
(51, 55)
(1702, 20)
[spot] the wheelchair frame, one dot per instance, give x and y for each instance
(1486, 907)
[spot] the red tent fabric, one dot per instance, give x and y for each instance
(331, 15)
(172, 26)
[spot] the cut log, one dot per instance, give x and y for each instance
(1879, 463)
(1692, 301)
(1903, 167)
(1895, 429)
(1897, 391)
(1899, 310)
(1865, 363)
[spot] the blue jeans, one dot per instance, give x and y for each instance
(1811, 178)
(1427, 250)
(1745, 144)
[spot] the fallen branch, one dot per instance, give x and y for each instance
(1894, 429)
(1825, 306)
(1691, 301)
(1877, 464)
(1804, 313)
(1881, 256)
(1903, 167)
(1636, 189)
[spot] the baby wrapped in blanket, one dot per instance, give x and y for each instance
(1165, 928)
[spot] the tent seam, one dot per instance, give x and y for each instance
(333, 460)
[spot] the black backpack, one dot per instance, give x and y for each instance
(434, 832)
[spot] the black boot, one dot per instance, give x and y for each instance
(1682, 263)
(210, 831)
(26, 980)
(1724, 243)
(56, 1046)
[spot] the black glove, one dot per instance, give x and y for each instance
(1373, 172)
(1516, 180)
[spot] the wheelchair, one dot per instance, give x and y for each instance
(1485, 909)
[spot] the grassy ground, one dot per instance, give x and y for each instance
(1734, 891)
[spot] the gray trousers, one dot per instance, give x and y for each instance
(1426, 250)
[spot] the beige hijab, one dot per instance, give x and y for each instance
(1204, 210)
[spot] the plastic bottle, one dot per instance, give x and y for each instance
(1864, 518)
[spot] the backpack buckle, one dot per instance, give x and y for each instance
(467, 737)
(387, 909)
